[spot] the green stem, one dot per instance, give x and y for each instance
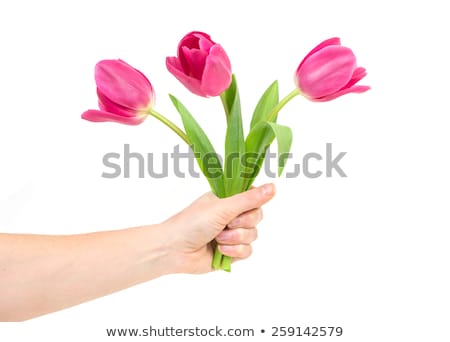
(282, 103)
(178, 131)
(217, 259)
(223, 262)
(226, 263)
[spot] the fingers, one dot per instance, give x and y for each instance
(248, 219)
(242, 229)
(251, 199)
(237, 236)
(235, 241)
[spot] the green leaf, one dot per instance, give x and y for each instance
(204, 152)
(257, 143)
(234, 140)
(229, 96)
(266, 104)
(283, 134)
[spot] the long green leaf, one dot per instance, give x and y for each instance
(266, 104)
(228, 96)
(257, 143)
(204, 152)
(283, 134)
(234, 140)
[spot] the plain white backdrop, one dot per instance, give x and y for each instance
(368, 252)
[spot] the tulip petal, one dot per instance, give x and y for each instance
(354, 89)
(107, 105)
(192, 39)
(189, 41)
(327, 42)
(217, 73)
(174, 63)
(205, 44)
(123, 84)
(102, 116)
(193, 61)
(358, 74)
(218, 52)
(192, 84)
(195, 40)
(327, 71)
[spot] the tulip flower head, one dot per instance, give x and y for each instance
(202, 66)
(124, 94)
(329, 71)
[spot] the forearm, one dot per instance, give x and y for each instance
(41, 274)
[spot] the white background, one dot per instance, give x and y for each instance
(369, 252)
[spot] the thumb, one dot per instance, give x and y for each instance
(248, 200)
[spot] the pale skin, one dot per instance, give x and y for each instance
(40, 274)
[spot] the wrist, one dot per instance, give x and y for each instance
(182, 254)
(161, 250)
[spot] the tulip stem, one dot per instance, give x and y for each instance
(226, 263)
(178, 131)
(282, 103)
(217, 259)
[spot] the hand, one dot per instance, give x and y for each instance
(230, 221)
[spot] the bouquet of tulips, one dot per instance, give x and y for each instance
(126, 96)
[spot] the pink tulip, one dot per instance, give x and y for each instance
(202, 66)
(329, 71)
(124, 94)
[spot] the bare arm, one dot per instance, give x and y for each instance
(41, 274)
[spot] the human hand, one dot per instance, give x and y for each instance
(231, 222)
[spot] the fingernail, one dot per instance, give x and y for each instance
(235, 222)
(267, 189)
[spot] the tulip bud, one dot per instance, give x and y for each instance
(202, 66)
(329, 71)
(124, 94)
